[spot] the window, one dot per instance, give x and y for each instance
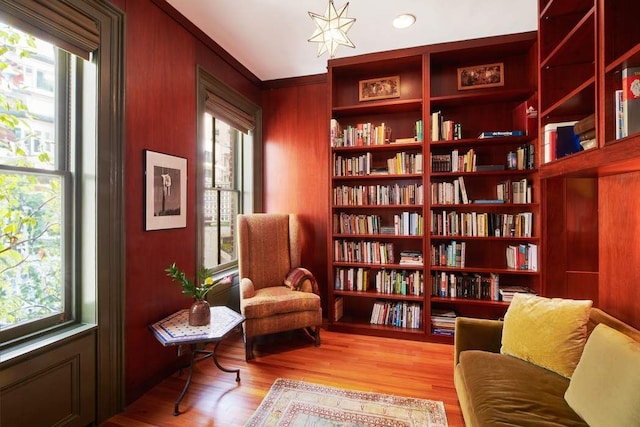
(37, 181)
(226, 183)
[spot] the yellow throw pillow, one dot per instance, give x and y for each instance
(548, 332)
(605, 386)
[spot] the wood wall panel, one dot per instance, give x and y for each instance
(161, 60)
(59, 384)
(619, 205)
(296, 150)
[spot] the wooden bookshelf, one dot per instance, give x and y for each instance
(428, 82)
(584, 47)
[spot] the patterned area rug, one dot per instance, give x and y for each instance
(297, 403)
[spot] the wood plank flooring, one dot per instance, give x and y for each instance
(384, 365)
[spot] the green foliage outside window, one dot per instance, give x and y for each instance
(31, 255)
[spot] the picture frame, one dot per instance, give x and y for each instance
(481, 76)
(165, 191)
(379, 88)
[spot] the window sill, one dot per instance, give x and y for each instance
(44, 342)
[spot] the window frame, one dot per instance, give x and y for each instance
(208, 84)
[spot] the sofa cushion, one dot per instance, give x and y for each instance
(605, 386)
(548, 332)
(278, 300)
(504, 390)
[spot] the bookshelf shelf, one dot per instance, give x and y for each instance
(378, 295)
(378, 107)
(471, 238)
(498, 270)
(377, 207)
(376, 236)
(470, 301)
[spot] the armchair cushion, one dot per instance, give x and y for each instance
(301, 279)
(278, 300)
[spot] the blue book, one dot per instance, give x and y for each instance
(497, 134)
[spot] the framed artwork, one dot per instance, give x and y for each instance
(380, 88)
(481, 76)
(166, 191)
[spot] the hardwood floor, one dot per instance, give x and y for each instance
(404, 368)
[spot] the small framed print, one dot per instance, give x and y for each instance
(166, 191)
(481, 76)
(380, 88)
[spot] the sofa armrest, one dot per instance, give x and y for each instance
(476, 334)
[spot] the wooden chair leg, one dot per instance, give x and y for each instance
(248, 348)
(317, 336)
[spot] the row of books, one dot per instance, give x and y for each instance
(559, 141)
(515, 191)
(362, 165)
(444, 130)
(447, 193)
(523, 158)
(454, 162)
(443, 322)
(462, 285)
(345, 223)
(397, 313)
(351, 279)
(408, 224)
(399, 282)
(627, 102)
(363, 134)
(450, 254)
(378, 195)
(369, 252)
(522, 257)
(455, 192)
(481, 224)
(392, 282)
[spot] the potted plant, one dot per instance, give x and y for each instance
(199, 313)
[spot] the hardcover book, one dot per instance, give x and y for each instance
(501, 133)
(631, 100)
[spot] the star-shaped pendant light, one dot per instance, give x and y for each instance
(331, 29)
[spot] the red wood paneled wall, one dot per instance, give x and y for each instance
(619, 235)
(296, 150)
(160, 106)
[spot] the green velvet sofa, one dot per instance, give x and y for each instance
(497, 389)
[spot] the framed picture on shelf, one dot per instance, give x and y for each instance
(380, 88)
(481, 76)
(165, 191)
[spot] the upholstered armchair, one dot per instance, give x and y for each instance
(276, 293)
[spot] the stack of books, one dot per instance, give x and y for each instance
(443, 322)
(585, 129)
(411, 258)
(507, 292)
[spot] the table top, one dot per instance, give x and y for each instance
(175, 329)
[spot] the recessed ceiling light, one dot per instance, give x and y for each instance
(404, 21)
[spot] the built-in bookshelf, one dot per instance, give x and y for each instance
(587, 48)
(434, 189)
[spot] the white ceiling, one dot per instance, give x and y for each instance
(269, 37)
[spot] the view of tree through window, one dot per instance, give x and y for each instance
(32, 184)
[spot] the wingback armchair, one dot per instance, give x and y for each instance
(276, 294)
